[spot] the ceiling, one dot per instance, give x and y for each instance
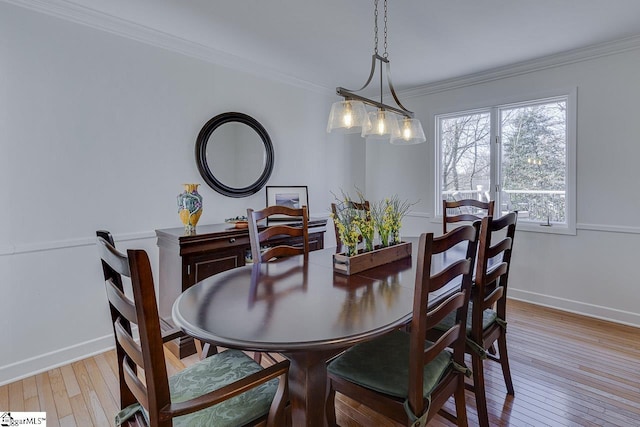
(329, 42)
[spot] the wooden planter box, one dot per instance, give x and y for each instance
(364, 261)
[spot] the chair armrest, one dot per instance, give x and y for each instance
(169, 332)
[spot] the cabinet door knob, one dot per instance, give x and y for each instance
(231, 240)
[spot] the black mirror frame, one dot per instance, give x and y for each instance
(201, 154)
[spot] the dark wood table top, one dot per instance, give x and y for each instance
(292, 305)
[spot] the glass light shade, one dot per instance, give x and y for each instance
(382, 125)
(347, 117)
(410, 132)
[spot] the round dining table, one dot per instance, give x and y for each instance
(300, 307)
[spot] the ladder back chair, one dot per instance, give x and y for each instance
(111, 275)
(400, 374)
(257, 237)
(363, 206)
(227, 389)
(464, 210)
(486, 320)
(488, 304)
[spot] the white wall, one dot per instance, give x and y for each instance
(98, 131)
(593, 272)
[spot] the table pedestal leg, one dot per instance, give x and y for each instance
(308, 387)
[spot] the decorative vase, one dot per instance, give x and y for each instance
(190, 206)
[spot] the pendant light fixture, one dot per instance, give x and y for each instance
(394, 124)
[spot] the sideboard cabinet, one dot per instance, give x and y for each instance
(189, 258)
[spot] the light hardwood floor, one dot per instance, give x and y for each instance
(567, 370)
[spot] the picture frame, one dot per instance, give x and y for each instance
(290, 196)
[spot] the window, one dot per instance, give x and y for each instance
(529, 166)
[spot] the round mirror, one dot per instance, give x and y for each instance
(234, 154)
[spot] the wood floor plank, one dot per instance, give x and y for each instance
(60, 396)
(80, 411)
(108, 376)
(4, 397)
(16, 397)
(30, 393)
(96, 412)
(47, 402)
(70, 381)
(107, 402)
(68, 421)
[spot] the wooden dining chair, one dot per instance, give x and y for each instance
(169, 332)
(359, 206)
(259, 237)
(464, 210)
(228, 388)
(487, 318)
(400, 374)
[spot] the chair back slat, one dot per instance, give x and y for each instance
(279, 252)
(121, 303)
(436, 315)
(135, 384)
(129, 344)
(259, 237)
(445, 341)
(492, 297)
(453, 211)
(116, 263)
(445, 276)
(504, 245)
(280, 230)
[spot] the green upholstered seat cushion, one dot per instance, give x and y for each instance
(213, 373)
(488, 318)
(383, 365)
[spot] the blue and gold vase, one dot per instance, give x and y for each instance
(190, 206)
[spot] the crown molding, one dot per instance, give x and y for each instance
(95, 19)
(525, 67)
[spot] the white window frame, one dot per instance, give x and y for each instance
(494, 110)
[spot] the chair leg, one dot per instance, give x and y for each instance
(330, 406)
(504, 362)
(492, 349)
(478, 387)
(461, 407)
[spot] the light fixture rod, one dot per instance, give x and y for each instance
(350, 95)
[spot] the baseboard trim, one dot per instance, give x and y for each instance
(577, 307)
(44, 362)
